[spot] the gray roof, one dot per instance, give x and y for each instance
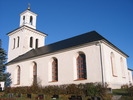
(64, 44)
(130, 69)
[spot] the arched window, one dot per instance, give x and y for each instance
(36, 43)
(18, 75)
(18, 41)
(122, 67)
(14, 41)
(23, 19)
(31, 42)
(31, 20)
(112, 57)
(34, 73)
(81, 66)
(55, 69)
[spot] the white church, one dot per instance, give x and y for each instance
(85, 58)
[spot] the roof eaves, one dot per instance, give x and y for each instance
(27, 27)
(105, 40)
(130, 69)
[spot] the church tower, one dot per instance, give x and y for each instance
(28, 18)
(26, 37)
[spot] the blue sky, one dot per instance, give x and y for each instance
(61, 19)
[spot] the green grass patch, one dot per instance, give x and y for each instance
(123, 92)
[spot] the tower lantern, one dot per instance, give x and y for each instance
(28, 18)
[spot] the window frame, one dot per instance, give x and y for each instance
(18, 75)
(36, 45)
(54, 70)
(31, 20)
(14, 42)
(122, 67)
(81, 66)
(113, 65)
(34, 73)
(31, 42)
(18, 41)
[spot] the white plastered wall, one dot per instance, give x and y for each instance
(24, 42)
(66, 67)
(112, 81)
(130, 77)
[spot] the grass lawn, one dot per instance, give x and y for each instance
(120, 92)
(124, 93)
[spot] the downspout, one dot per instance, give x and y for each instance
(101, 59)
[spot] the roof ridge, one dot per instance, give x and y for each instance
(72, 37)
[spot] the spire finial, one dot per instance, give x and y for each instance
(28, 6)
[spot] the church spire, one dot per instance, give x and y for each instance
(28, 6)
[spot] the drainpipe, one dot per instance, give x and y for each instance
(101, 59)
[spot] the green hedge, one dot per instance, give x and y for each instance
(88, 89)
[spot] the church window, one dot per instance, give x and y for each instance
(31, 42)
(31, 20)
(81, 66)
(14, 43)
(55, 70)
(112, 57)
(122, 67)
(18, 41)
(36, 43)
(18, 75)
(34, 73)
(23, 19)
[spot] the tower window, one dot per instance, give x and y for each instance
(31, 20)
(81, 66)
(23, 19)
(31, 42)
(18, 41)
(14, 43)
(36, 43)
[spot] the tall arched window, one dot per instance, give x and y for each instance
(34, 73)
(81, 66)
(14, 41)
(18, 41)
(23, 19)
(112, 57)
(18, 75)
(36, 43)
(31, 20)
(31, 42)
(122, 67)
(55, 69)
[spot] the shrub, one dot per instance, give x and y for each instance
(72, 89)
(125, 86)
(88, 89)
(130, 91)
(96, 89)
